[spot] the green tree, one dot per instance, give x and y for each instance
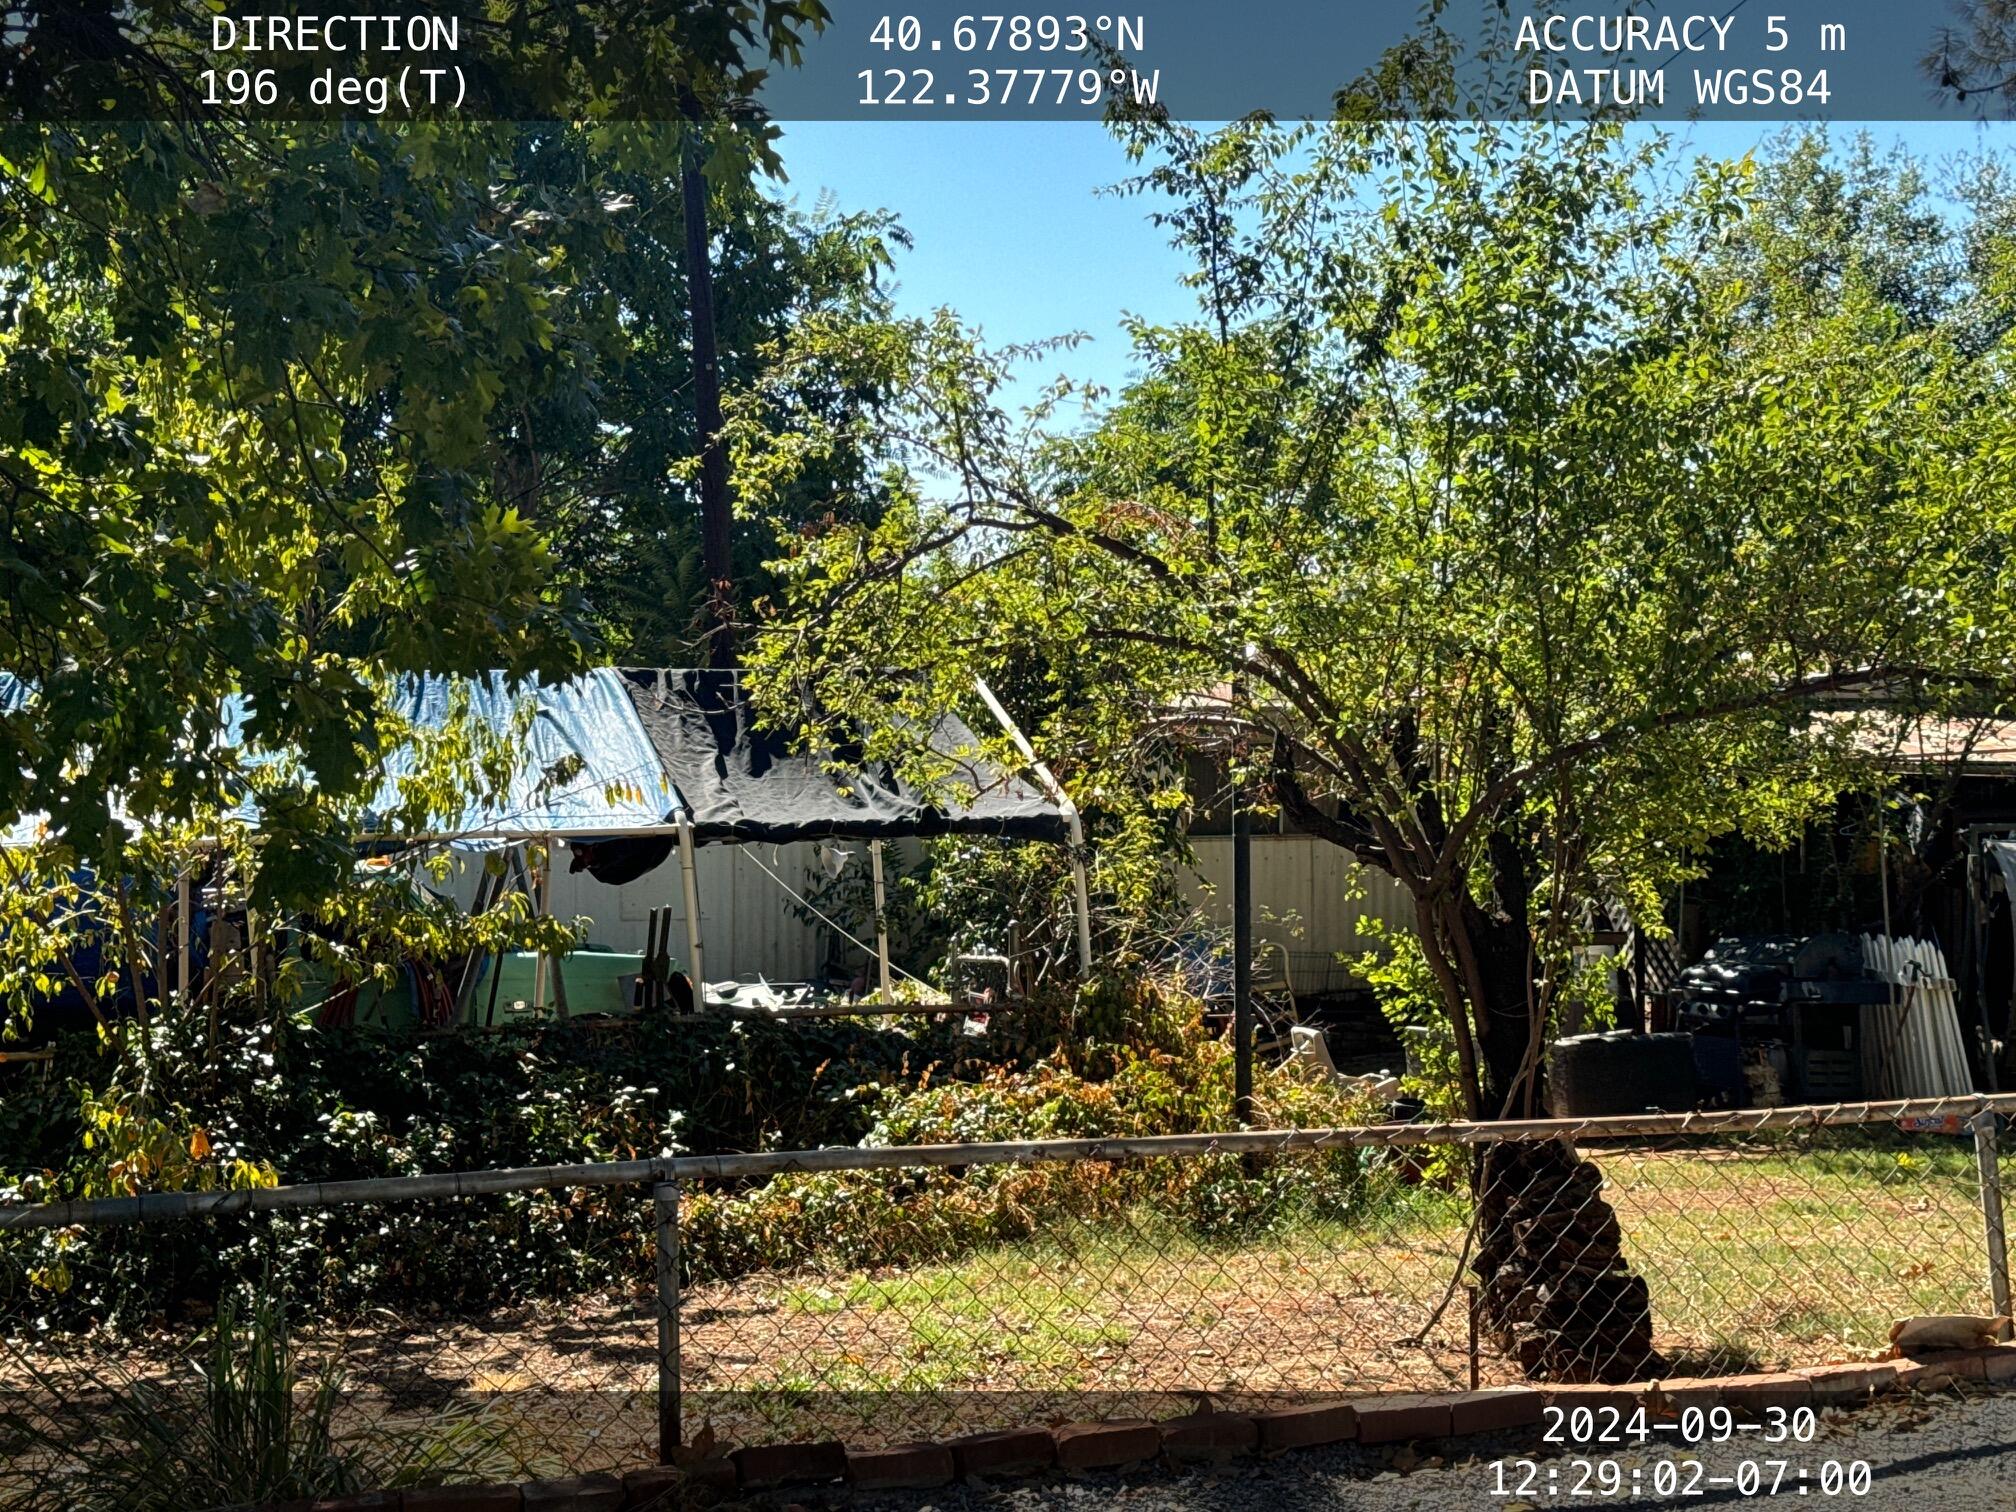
(1830, 222)
(1484, 525)
(619, 477)
(292, 409)
(1478, 516)
(261, 428)
(279, 401)
(1974, 60)
(1834, 223)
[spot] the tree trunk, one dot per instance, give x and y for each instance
(1499, 943)
(716, 540)
(1555, 1290)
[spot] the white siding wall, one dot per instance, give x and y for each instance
(1309, 896)
(748, 927)
(747, 924)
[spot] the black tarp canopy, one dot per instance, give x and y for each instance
(743, 783)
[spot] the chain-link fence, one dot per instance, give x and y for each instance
(503, 1324)
(1016, 1284)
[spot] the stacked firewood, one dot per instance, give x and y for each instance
(1555, 1291)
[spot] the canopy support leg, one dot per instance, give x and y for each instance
(1054, 789)
(539, 898)
(881, 920)
(1082, 897)
(559, 971)
(690, 881)
(182, 946)
(489, 889)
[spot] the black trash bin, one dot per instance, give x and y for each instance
(1608, 1075)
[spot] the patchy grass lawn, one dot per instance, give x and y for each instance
(1787, 1258)
(1756, 1257)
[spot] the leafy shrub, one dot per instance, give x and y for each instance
(293, 1102)
(887, 1217)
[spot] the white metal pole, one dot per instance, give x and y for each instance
(881, 919)
(558, 966)
(1082, 895)
(690, 881)
(1988, 1164)
(539, 895)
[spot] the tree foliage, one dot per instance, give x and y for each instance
(1974, 60)
(263, 399)
(291, 410)
(620, 484)
(283, 404)
(1480, 517)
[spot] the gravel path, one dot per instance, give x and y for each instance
(1948, 1453)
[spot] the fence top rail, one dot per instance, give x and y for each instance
(158, 1206)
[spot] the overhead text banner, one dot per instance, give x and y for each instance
(939, 60)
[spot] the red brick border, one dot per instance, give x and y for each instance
(1203, 1436)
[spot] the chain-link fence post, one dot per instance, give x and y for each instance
(1470, 1293)
(665, 1203)
(1985, 1157)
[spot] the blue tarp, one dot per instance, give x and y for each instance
(614, 752)
(584, 765)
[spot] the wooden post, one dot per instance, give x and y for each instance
(881, 921)
(1242, 961)
(665, 1202)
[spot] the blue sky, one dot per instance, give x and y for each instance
(1013, 232)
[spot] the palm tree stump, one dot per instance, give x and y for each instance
(1555, 1291)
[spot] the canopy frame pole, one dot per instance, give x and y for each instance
(1054, 790)
(1081, 894)
(489, 891)
(690, 883)
(539, 898)
(881, 920)
(183, 952)
(548, 961)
